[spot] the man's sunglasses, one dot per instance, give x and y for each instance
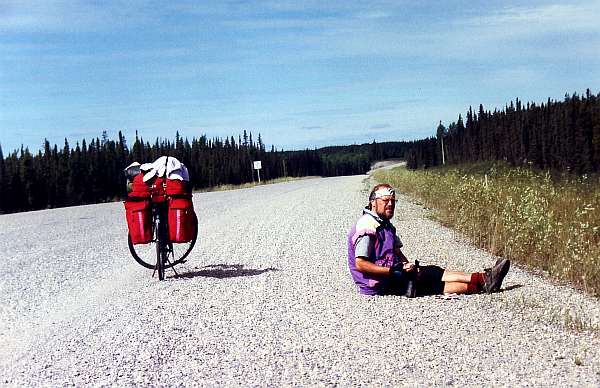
(388, 199)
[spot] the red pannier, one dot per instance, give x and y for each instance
(182, 225)
(139, 221)
(178, 187)
(158, 190)
(139, 188)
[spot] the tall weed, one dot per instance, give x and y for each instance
(551, 222)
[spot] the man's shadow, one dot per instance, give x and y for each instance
(222, 271)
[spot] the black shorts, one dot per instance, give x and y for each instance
(429, 280)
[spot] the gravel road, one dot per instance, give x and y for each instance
(266, 299)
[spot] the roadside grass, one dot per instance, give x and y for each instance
(253, 184)
(544, 220)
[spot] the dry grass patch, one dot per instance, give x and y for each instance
(550, 222)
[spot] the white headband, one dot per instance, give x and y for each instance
(382, 192)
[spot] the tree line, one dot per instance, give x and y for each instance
(557, 135)
(92, 171)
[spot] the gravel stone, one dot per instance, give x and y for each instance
(267, 299)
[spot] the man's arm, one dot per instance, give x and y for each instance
(364, 245)
(367, 267)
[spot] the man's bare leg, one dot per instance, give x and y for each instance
(461, 282)
(455, 276)
(457, 288)
(475, 282)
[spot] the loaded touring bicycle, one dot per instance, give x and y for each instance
(162, 224)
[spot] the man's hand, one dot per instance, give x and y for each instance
(408, 267)
(398, 274)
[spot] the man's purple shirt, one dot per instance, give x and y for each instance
(383, 233)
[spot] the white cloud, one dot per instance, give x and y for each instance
(510, 31)
(70, 16)
(548, 18)
(565, 16)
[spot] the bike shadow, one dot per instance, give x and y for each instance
(222, 271)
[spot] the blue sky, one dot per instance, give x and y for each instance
(303, 74)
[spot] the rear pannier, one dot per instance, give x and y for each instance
(139, 188)
(158, 190)
(178, 187)
(182, 220)
(139, 220)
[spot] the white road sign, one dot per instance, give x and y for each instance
(257, 165)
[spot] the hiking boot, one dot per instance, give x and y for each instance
(498, 260)
(493, 277)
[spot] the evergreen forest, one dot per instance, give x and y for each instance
(92, 172)
(555, 135)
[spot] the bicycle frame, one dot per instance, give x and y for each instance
(163, 244)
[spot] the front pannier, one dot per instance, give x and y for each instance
(139, 221)
(182, 225)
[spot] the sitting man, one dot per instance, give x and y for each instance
(379, 267)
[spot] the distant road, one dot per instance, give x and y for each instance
(386, 165)
(267, 300)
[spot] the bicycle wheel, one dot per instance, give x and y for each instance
(177, 252)
(145, 254)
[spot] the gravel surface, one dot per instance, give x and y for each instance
(266, 299)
